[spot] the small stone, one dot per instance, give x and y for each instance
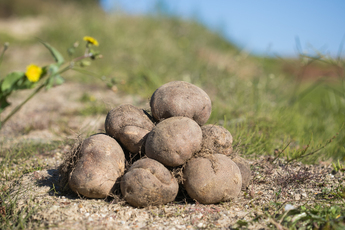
(289, 207)
(200, 225)
(297, 197)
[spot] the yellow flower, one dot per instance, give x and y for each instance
(91, 40)
(33, 72)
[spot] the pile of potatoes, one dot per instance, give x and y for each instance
(174, 137)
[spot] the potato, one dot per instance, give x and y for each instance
(173, 141)
(179, 98)
(212, 179)
(101, 163)
(148, 182)
(216, 139)
(246, 172)
(129, 125)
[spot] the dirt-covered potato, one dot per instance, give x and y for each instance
(173, 141)
(101, 162)
(246, 172)
(179, 98)
(129, 125)
(148, 182)
(212, 179)
(216, 139)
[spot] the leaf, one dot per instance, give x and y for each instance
(23, 83)
(10, 80)
(54, 77)
(3, 103)
(58, 80)
(242, 223)
(55, 80)
(71, 51)
(49, 83)
(53, 69)
(84, 63)
(56, 54)
(298, 217)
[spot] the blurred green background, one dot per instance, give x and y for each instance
(267, 103)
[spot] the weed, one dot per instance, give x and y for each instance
(338, 166)
(13, 215)
(319, 216)
(34, 74)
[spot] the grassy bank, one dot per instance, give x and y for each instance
(263, 106)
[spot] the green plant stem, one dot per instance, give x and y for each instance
(18, 107)
(3, 52)
(72, 63)
(70, 66)
(280, 152)
(86, 55)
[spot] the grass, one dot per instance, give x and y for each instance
(263, 105)
(15, 162)
(322, 215)
(12, 215)
(92, 106)
(322, 207)
(267, 109)
(24, 158)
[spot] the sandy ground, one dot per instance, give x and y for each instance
(53, 115)
(294, 184)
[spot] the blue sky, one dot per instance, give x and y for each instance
(267, 27)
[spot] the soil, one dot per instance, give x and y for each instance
(52, 115)
(55, 114)
(293, 184)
